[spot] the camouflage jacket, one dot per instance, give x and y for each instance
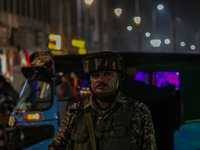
(146, 139)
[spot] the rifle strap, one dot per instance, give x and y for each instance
(90, 127)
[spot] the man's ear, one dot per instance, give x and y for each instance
(131, 71)
(121, 78)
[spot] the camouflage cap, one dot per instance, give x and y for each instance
(103, 61)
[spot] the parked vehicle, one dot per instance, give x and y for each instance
(36, 117)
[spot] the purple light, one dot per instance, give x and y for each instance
(142, 76)
(162, 78)
(139, 76)
(165, 78)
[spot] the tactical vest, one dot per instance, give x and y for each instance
(114, 134)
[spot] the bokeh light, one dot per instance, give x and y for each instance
(147, 34)
(129, 28)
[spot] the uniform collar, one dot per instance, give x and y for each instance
(120, 99)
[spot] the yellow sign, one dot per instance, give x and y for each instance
(78, 43)
(82, 51)
(54, 42)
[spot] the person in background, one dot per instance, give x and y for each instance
(5, 85)
(7, 104)
(108, 119)
(164, 104)
(66, 87)
(8, 98)
(140, 90)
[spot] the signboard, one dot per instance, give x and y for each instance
(80, 44)
(54, 42)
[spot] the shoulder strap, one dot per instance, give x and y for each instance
(134, 105)
(90, 127)
(78, 114)
(134, 102)
(79, 111)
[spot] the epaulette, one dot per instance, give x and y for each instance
(134, 102)
(138, 104)
(77, 109)
(78, 105)
(74, 107)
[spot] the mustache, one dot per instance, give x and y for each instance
(100, 84)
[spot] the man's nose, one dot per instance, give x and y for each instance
(101, 77)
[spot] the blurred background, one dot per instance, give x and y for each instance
(124, 26)
(84, 26)
(128, 25)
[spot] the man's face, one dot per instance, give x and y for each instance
(104, 83)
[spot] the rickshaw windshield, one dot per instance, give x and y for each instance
(35, 95)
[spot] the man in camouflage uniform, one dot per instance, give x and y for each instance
(107, 120)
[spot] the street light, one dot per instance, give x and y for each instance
(129, 28)
(147, 34)
(160, 6)
(88, 2)
(137, 20)
(192, 47)
(118, 12)
(155, 42)
(167, 41)
(182, 43)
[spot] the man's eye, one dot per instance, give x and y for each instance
(95, 75)
(107, 73)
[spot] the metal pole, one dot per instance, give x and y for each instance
(119, 33)
(99, 7)
(153, 26)
(197, 40)
(61, 17)
(173, 27)
(138, 34)
(137, 7)
(79, 27)
(154, 23)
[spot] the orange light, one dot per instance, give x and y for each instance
(34, 116)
